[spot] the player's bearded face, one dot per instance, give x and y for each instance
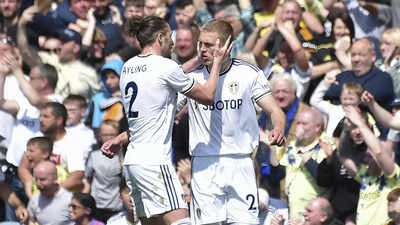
(167, 45)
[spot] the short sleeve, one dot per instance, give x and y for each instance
(178, 80)
(261, 86)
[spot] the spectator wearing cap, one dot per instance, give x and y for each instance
(75, 77)
(107, 101)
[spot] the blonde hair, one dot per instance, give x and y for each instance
(354, 87)
(392, 35)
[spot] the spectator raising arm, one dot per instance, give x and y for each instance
(381, 114)
(384, 157)
(287, 30)
(11, 107)
(30, 93)
(29, 53)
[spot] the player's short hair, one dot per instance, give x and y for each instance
(50, 73)
(146, 29)
(221, 28)
(58, 110)
(45, 144)
(354, 87)
(76, 99)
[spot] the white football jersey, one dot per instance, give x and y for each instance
(149, 86)
(229, 126)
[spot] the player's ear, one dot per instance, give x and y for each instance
(159, 38)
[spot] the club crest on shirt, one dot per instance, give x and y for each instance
(234, 87)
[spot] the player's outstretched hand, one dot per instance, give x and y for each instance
(221, 52)
(111, 147)
(184, 170)
(276, 137)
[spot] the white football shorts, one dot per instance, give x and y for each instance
(223, 189)
(155, 189)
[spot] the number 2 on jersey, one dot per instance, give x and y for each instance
(132, 85)
(252, 199)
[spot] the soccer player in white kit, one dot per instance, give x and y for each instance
(223, 135)
(149, 84)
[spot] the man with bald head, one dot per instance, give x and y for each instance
(319, 212)
(372, 79)
(301, 157)
(53, 199)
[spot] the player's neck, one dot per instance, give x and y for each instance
(149, 50)
(225, 65)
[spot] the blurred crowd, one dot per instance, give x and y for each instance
(333, 67)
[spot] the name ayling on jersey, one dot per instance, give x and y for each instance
(134, 69)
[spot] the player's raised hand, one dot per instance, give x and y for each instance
(222, 52)
(111, 147)
(276, 137)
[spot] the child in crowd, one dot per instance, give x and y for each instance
(76, 109)
(103, 174)
(38, 149)
(107, 103)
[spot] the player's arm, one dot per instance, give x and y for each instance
(87, 185)
(269, 105)
(205, 93)
(74, 181)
